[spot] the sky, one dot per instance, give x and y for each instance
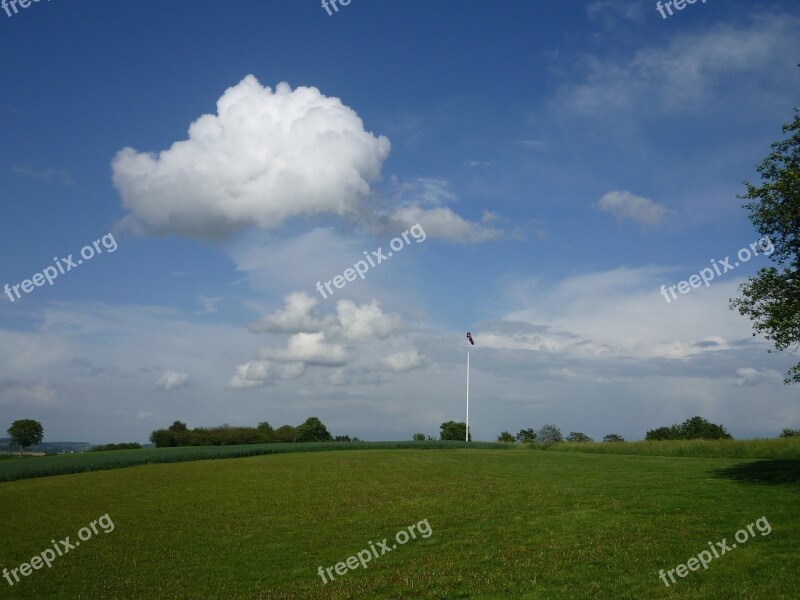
(186, 177)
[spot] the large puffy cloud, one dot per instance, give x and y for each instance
(263, 158)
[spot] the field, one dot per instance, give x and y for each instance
(505, 524)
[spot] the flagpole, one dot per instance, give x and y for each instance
(467, 435)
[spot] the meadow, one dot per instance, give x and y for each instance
(505, 524)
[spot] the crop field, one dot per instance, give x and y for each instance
(500, 524)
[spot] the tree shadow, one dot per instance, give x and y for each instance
(769, 472)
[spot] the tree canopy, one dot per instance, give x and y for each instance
(26, 432)
(771, 298)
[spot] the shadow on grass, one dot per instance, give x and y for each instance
(770, 472)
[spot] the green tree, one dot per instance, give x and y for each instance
(790, 433)
(577, 436)
(697, 428)
(418, 437)
(284, 433)
(613, 437)
(26, 432)
(342, 438)
(451, 430)
(506, 437)
(178, 426)
(771, 298)
(526, 436)
(312, 431)
(549, 434)
(663, 433)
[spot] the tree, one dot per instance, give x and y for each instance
(786, 433)
(418, 437)
(577, 436)
(312, 431)
(342, 438)
(549, 434)
(26, 432)
(526, 436)
(697, 428)
(663, 433)
(691, 429)
(771, 298)
(178, 426)
(613, 437)
(506, 437)
(284, 433)
(454, 431)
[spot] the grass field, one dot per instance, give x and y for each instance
(785, 448)
(521, 524)
(45, 466)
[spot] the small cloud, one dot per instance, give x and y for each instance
(172, 380)
(531, 144)
(403, 361)
(209, 305)
(625, 205)
(478, 163)
(308, 348)
(258, 373)
(144, 415)
(44, 174)
(749, 377)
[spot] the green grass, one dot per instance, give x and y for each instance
(780, 448)
(506, 525)
(45, 466)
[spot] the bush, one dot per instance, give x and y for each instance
(526, 436)
(131, 446)
(451, 430)
(506, 438)
(342, 438)
(577, 436)
(418, 437)
(549, 434)
(613, 437)
(786, 433)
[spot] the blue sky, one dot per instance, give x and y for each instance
(564, 160)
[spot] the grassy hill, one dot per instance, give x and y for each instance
(518, 524)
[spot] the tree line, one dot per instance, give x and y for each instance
(696, 428)
(179, 434)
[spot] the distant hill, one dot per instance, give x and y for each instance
(47, 447)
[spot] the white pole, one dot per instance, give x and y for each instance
(467, 436)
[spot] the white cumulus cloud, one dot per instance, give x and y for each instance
(266, 156)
